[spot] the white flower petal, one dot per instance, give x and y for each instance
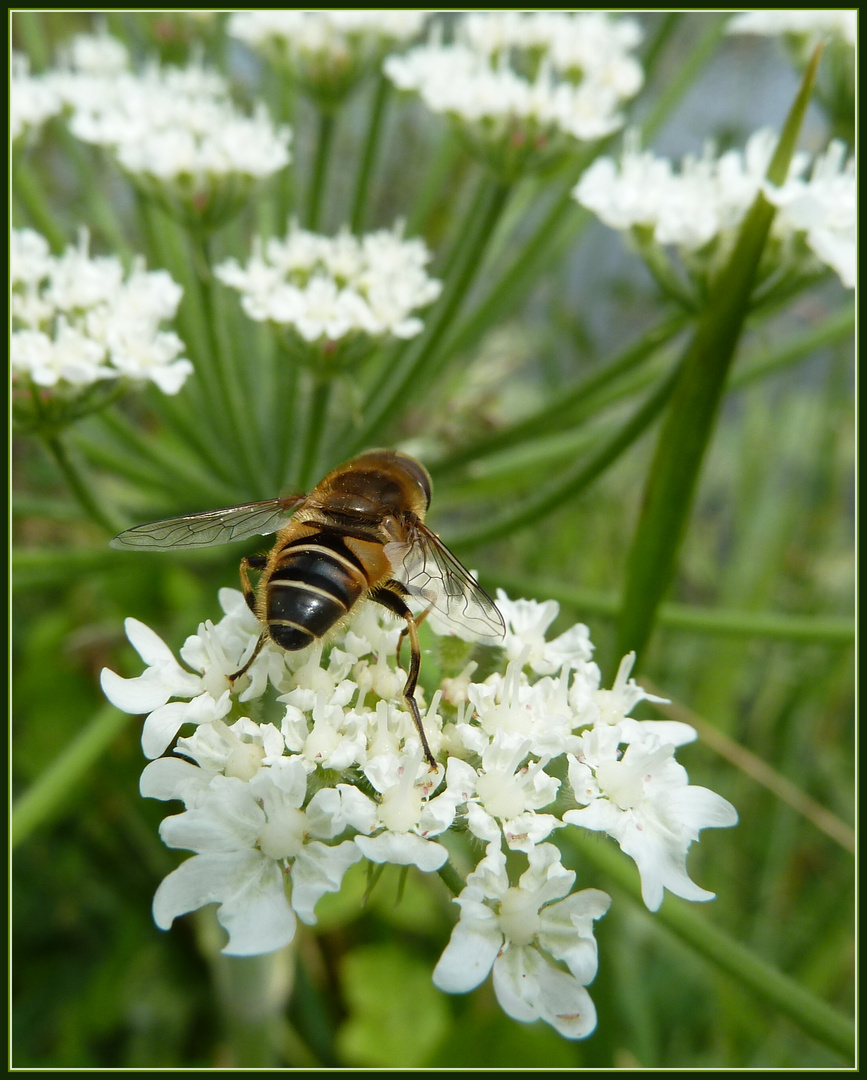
(528, 988)
(319, 869)
(403, 849)
(249, 889)
(469, 955)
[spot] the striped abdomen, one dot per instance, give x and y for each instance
(316, 581)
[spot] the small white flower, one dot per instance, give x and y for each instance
(810, 25)
(79, 319)
(508, 792)
(177, 134)
(329, 289)
(406, 814)
(517, 84)
(326, 52)
(699, 209)
(246, 836)
(644, 801)
(33, 99)
(513, 930)
(527, 621)
(825, 209)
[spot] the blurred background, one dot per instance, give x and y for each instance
(753, 645)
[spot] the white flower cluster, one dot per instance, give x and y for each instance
(77, 319)
(809, 25)
(528, 77)
(329, 288)
(277, 810)
(325, 52)
(700, 207)
(33, 99)
(172, 129)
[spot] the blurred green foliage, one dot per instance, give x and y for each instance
(96, 986)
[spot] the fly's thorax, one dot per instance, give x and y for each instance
(375, 484)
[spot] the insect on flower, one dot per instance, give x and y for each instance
(358, 535)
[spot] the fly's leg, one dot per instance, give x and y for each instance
(263, 637)
(391, 596)
(252, 562)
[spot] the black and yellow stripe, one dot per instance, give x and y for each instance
(316, 581)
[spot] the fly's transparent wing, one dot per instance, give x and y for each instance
(209, 528)
(436, 579)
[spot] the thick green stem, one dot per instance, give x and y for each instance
(317, 410)
(695, 403)
(316, 190)
(368, 157)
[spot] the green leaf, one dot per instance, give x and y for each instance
(397, 1017)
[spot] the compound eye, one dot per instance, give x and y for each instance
(419, 473)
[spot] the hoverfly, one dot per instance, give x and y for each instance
(358, 535)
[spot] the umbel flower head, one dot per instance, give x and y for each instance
(805, 27)
(176, 133)
(325, 53)
(523, 87)
(33, 99)
(335, 297)
(699, 208)
(78, 320)
(330, 773)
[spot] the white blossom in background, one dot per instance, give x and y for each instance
(523, 86)
(175, 131)
(699, 207)
(325, 52)
(99, 55)
(809, 26)
(331, 288)
(33, 99)
(331, 773)
(825, 209)
(79, 319)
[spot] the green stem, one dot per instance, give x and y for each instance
(558, 413)
(27, 189)
(316, 190)
(749, 971)
(317, 410)
(684, 438)
(564, 220)
(49, 793)
(574, 480)
(231, 390)
(805, 343)
(286, 415)
(559, 227)
(77, 485)
(371, 146)
(419, 366)
(197, 413)
(153, 461)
